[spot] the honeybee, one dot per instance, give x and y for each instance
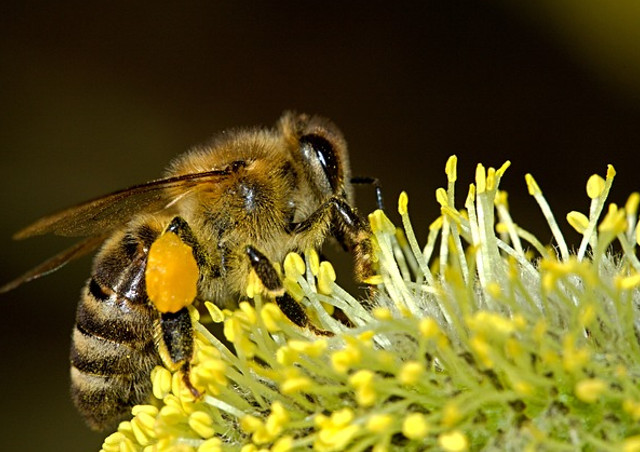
(238, 203)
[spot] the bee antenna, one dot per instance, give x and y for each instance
(375, 182)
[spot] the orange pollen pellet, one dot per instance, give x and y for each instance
(172, 274)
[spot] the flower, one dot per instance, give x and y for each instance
(481, 338)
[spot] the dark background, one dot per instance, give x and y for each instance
(96, 97)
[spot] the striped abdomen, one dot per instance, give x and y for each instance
(113, 349)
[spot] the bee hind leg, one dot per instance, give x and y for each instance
(176, 350)
(181, 228)
(175, 328)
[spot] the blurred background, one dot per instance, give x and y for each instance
(99, 96)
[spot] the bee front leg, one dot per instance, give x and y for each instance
(271, 281)
(349, 229)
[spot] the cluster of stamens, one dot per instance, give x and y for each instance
(482, 338)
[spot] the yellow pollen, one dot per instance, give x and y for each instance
(161, 381)
(502, 198)
(482, 349)
(249, 311)
(411, 372)
(454, 441)
(217, 315)
(450, 414)
(441, 197)
(254, 285)
(292, 287)
(628, 282)
(210, 445)
(297, 384)
(379, 423)
(436, 225)
(361, 378)
(429, 328)
(314, 349)
(471, 195)
(590, 390)
(631, 206)
(382, 313)
(503, 169)
(491, 178)
(631, 444)
(143, 433)
(286, 355)
(403, 203)
(326, 278)
(294, 266)
(415, 426)
(201, 423)
(587, 314)
(314, 261)
(614, 221)
(532, 185)
(342, 360)
(481, 178)
(374, 280)
(451, 168)
(595, 186)
(250, 424)
(271, 315)
(523, 388)
(342, 417)
(283, 444)
(573, 358)
(493, 289)
(578, 221)
(632, 408)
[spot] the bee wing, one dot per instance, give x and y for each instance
(57, 261)
(108, 212)
(97, 218)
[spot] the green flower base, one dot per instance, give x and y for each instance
(484, 339)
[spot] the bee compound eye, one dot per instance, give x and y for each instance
(319, 151)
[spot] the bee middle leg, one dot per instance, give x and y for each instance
(271, 281)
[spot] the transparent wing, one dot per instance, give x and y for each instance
(108, 212)
(57, 261)
(99, 217)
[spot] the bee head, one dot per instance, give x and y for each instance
(322, 152)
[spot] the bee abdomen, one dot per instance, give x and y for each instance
(95, 355)
(112, 355)
(106, 400)
(105, 314)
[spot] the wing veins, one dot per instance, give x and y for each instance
(106, 213)
(54, 263)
